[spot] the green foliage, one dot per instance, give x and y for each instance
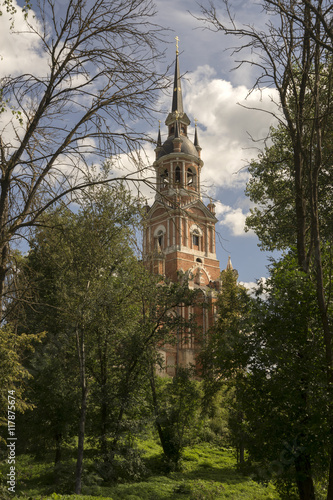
(291, 346)
(270, 348)
(105, 318)
(199, 490)
(270, 187)
(272, 184)
(281, 390)
(88, 298)
(285, 359)
(223, 358)
(54, 392)
(10, 8)
(126, 466)
(13, 373)
(176, 404)
(207, 472)
(234, 306)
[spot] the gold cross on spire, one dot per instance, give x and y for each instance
(177, 40)
(196, 121)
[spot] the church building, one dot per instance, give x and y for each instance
(179, 232)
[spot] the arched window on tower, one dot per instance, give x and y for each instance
(177, 174)
(164, 178)
(159, 237)
(196, 236)
(190, 180)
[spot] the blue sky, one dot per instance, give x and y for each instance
(215, 95)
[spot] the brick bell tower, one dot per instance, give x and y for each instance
(179, 231)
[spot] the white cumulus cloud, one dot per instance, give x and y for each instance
(232, 218)
(20, 46)
(225, 126)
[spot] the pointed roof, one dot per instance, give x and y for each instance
(196, 141)
(229, 265)
(159, 140)
(177, 109)
(177, 99)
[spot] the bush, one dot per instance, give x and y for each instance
(178, 414)
(199, 490)
(124, 466)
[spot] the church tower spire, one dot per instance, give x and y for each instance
(177, 99)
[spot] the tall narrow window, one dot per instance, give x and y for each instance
(177, 174)
(190, 177)
(196, 237)
(164, 179)
(160, 238)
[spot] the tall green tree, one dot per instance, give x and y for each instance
(269, 349)
(283, 387)
(176, 404)
(271, 188)
(138, 311)
(292, 55)
(274, 219)
(223, 358)
(74, 256)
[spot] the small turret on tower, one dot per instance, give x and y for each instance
(196, 141)
(159, 140)
(231, 268)
(158, 148)
(229, 265)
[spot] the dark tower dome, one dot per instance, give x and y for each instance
(187, 147)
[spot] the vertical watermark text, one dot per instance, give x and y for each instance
(11, 442)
